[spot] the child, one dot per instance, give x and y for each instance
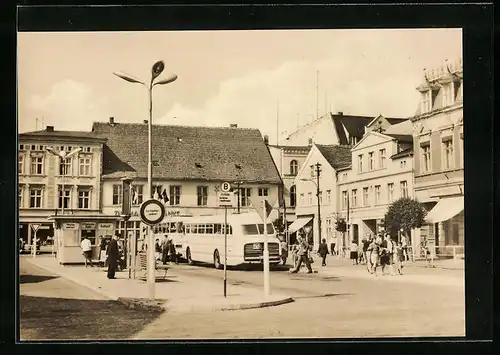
(400, 257)
(354, 252)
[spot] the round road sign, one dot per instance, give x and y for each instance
(152, 212)
(225, 187)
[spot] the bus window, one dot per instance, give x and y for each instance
(194, 228)
(217, 228)
(187, 228)
(173, 228)
(250, 229)
(210, 228)
(270, 229)
(201, 229)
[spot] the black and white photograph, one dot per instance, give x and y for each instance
(241, 184)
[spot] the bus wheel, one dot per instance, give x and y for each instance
(217, 263)
(188, 257)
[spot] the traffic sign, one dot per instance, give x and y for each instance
(226, 199)
(152, 212)
(225, 187)
(35, 227)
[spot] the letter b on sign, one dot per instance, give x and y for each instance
(225, 187)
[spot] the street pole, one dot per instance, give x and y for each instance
(34, 245)
(151, 251)
(238, 193)
(319, 207)
(225, 250)
(266, 251)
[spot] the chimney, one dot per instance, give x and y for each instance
(233, 125)
(266, 139)
(145, 121)
(49, 128)
(340, 113)
(111, 120)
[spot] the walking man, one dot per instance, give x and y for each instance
(323, 251)
(86, 246)
(113, 255)
(303, 255)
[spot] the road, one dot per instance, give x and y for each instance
(331, 307)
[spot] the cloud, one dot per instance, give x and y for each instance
(367, 87)
(70, 105)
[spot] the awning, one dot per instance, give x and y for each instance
(298, 223)
(445, 209)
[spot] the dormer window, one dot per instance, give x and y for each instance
(448, 95)
(426, 101)
(456, 90)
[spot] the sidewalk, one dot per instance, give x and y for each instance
(177, 293)
(445, 272)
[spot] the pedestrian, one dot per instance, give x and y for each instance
(400, 258)
(113, 256)
(354, 252)
(86, 246)
(303, 256)
(157, 249)
(21, 245)
(284, 251)
(374, 250)
(404, 245)
(172, 252)
(323, 251)
(366, 243)
(387, 254)
(102, 250)
(332, 246)
(164, 249)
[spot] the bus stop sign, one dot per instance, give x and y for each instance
(152, 212)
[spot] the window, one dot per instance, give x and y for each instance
(354, 198)
(404, 189)
(137, 194)
(84, 198)
(202, 195)
(117, 194)
(381, 157)
(301, 199)
(370, 161)
(328, 196)
(294, 167)
(461, 150)
(175, 195)
(65, 167)
(313, 172)
(426, 157)
(20, 164)
(377, 194)
(293, 196)
(344, 200)
(448, 96)
(309, 198)
(320, 197)
(66, 198)
(36, 164)
(263, 191)
(36, 197)
(245, 196)
(456, 88)
(426, 101)
(360, 163)
(390, 192)
(365, 196)
(448, 154)
(20, 192)
(403, 164)
(85, 165)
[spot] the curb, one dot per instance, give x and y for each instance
(258, 304)
(142, 303)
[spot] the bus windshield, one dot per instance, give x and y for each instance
(270, 229)
(250, 229)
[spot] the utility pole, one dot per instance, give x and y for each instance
(317, 98)
(318, 171)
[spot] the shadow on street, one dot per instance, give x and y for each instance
(26, 279)
(48, 318)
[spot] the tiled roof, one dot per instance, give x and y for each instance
(337, 155)
(62, 134)
(186, 153)
(404, 127)
(403, 138)
(396, 120)
(403, 153)
(355, 125)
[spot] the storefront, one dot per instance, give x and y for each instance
(71, 229)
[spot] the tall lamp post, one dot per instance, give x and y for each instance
(156, 70)
(62, 155)
(318, 171)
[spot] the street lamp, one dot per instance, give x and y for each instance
(318, 171)
(62, 155)
(156, 70)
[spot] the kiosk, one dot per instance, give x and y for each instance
(71, 229)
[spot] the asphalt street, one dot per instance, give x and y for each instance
(325, 306)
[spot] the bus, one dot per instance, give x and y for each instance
(201, 239)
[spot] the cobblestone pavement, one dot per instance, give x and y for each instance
(58, 309)
(333, 307)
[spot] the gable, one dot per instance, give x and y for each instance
(371, 138)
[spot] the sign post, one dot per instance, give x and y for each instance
(35, 229)
(152, 212)
(266, 251)
(225, 199)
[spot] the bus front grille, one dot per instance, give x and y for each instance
(254, 251)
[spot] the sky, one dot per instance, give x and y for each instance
(272, 80)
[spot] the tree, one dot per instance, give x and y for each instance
(406, 214)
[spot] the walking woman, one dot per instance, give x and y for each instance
(374, 250)
(323, 251)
